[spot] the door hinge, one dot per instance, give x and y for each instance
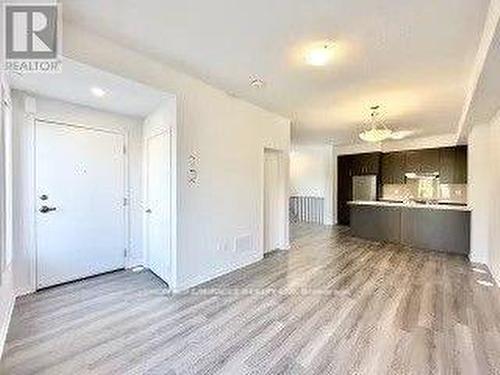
(124, 149)
(125, 201)
(125, 252)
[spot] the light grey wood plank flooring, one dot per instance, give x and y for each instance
(334, 304)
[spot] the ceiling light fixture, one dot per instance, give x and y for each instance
(401, 134)
(377, 132)
(320, 54)
(256, 83)
(97, 91)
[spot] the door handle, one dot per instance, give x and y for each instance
(46, 209)
(148, 211)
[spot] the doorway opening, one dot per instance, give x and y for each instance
(275, 201)
(158, 192)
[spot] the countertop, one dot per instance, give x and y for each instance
(412, 205)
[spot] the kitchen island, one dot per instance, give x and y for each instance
(436, 227)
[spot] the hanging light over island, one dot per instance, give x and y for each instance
(377, 131)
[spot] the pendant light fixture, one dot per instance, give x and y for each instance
(377, 132)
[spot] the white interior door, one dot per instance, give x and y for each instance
(158, 207)
(272, 200)
(80, 187)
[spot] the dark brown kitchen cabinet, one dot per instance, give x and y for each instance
(347, 167)
(422, 161)
(344, 188)
(453, 165)
(461, 165)
(447, 165)
(365, 164)
(393, 168)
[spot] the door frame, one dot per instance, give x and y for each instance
(169, 132)
(126, 188)
(283, 211)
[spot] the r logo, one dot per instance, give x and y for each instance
(31, 31)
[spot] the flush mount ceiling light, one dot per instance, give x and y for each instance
(256, 83)
(97, 91)
(377, 131)
(320, 54)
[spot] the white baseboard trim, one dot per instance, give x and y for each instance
(481, 263)
(200, 279)
(135, 263)
(475, 258)
(5, 325)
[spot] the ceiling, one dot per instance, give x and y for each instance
(76, 80)
(486, 100)
(412, 57)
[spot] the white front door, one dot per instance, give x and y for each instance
(80, 189)
(272, 203)
(158, 208)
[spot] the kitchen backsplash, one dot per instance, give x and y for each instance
(456, 193)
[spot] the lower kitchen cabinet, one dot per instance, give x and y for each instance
(441, 230)
(444, 230)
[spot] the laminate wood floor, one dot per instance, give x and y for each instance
(334, 304)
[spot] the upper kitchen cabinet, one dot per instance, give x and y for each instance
(462, 165)
(422, 161)
(447, 158)
(393, 168)
(453, 165)
(365, 164)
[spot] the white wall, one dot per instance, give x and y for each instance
(227, 134)
(311, 174)
(7, 286)
(275, 199)
(54, 110)
(494, 255)
(479, 190)
(484, 194)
